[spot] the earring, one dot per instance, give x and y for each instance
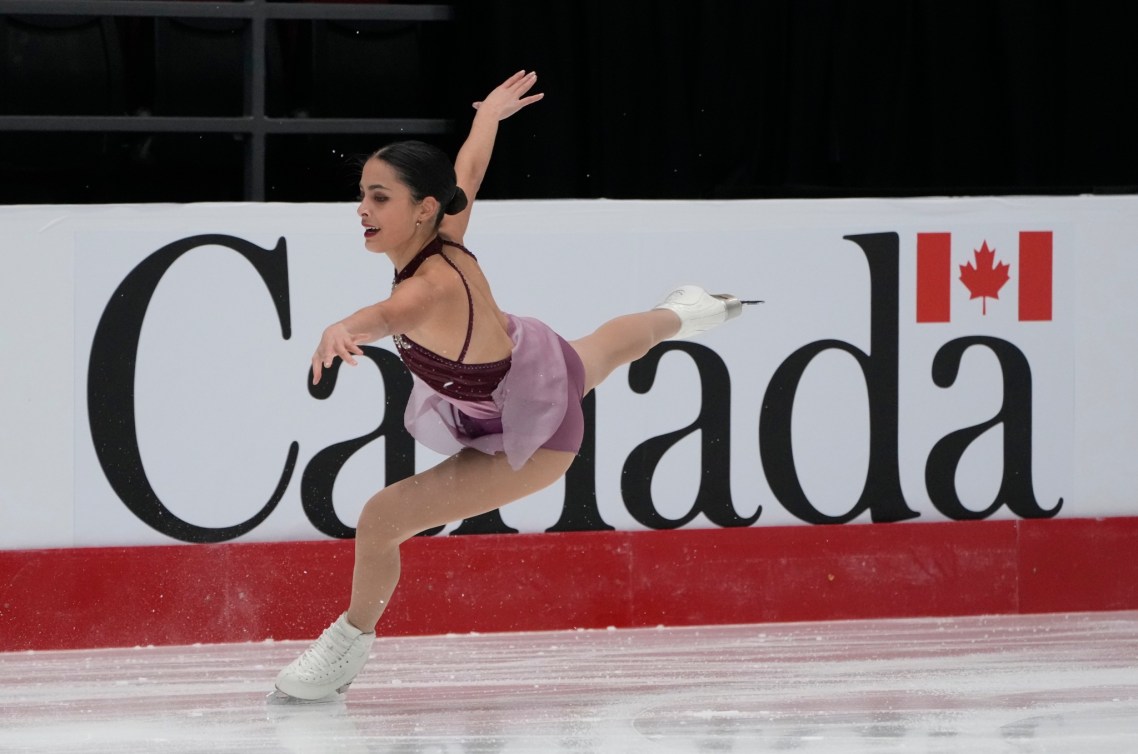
(418, 223)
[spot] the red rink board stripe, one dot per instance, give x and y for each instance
(83, 598)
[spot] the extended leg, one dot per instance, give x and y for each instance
(621, 341)
(685, 312)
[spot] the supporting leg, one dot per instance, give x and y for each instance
(465, 485)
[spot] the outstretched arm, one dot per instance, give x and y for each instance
(408, 305)
(474, 157)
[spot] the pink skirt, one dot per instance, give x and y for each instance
(537, 404)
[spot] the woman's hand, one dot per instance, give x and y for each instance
(509, 96)
(474, 157)
(336, 341)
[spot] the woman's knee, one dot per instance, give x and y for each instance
(381, 520)
(555, 464)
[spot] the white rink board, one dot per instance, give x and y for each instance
(219, 394)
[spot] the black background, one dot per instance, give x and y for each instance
(781, 98)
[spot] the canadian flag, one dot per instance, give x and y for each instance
(983, 276)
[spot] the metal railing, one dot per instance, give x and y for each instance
(254, 123)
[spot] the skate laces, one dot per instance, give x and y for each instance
(332, 647)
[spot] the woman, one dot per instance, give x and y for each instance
(500, 394)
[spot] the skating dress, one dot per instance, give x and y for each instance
(529, 400)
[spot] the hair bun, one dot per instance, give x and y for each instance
(457, 202)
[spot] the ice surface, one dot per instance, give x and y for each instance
(1024, 684)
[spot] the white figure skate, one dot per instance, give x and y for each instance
(329, 666)
(699, 310)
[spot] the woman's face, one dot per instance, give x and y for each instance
(387, 211)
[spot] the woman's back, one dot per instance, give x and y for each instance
(463, 306)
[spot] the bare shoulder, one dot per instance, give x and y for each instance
(437, 279)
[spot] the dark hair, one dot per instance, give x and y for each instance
(426, 171)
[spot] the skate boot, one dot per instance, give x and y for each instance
(699, 310)
(330, 664)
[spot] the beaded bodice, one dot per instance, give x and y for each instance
(451, 378)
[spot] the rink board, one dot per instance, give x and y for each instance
(107, 597)
(168, 475)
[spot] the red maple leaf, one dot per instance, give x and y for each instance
(984, 279)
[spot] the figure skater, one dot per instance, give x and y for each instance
(499, 394)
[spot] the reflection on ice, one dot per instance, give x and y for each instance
(1009, 684)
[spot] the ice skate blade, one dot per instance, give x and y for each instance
(734, 304)
(276, 696)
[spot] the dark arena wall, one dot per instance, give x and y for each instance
(693, 101)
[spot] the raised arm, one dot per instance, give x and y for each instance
(474, 156)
